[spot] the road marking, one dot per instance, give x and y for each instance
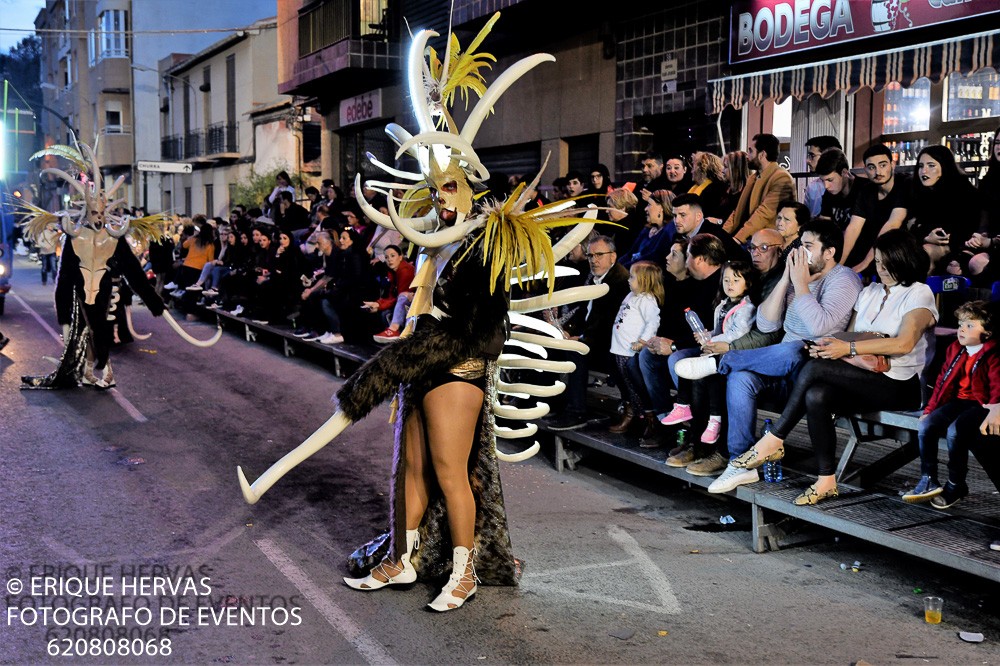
(119, 398)
(366, 646)
(653, 578)
(44, 324)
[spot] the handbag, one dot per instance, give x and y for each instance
(870, 362)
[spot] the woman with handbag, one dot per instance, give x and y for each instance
(876, 366)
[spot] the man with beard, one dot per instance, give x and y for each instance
(881, 206)
(814, 298)
(652, 171)
(689, 220)
(758, 204)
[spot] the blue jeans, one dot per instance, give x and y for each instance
(683, 385)
(946, 421)
(748, 373)
(655, 373)
(48, 266)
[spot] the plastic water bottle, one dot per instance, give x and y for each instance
(697, 328)
(772, 470)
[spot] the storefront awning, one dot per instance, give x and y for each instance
(933, 61)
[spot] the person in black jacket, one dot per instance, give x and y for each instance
(592, 325)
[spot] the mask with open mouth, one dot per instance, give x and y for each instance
(450, 192)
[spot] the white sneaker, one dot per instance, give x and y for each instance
(696, 367)
(195, 287)
(170, 286)
(733, 477)
(331, 339)
(211, 293)
(237, 311)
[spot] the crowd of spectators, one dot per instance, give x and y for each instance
(803, 300)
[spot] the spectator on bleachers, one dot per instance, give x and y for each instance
(709, 184)
(757, 206)
(736, 172)
(200, 250)
(398, 294)
(381, 240)
(899, 310)
(313, 322)
(732, 319)
(653, 242)
(841, 190)
(622, 209)
(279, 289)
(592, 325)
(637, 321)
(290, 216)
(681, 291)
(966, 398)
(352, 284)
(945, 208)
(600, 182)
(314, 199)
(881, 205)
(212, 272)
(652, 172)
(354, 219)
(769, 262)
(282, 183)
(676, 172)
(331, 196)
(791, 216)
(814, 187)
(236, 288)
(814, 297)
(989, 187)
(689, 220)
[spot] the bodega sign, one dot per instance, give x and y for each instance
(765, 28)
(361, 109)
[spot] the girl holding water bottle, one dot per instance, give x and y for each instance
(733, 318)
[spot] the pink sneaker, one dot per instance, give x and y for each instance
(679, 414)
(711, 434)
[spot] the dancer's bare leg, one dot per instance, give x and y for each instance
(452, 412)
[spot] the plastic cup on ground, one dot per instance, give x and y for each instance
(932, 609)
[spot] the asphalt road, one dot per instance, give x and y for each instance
(137, 487)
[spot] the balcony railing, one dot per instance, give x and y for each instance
(194, 144)
(222, 138)
(331, 21)
(172, 148)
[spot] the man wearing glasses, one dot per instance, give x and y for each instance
(592, 325)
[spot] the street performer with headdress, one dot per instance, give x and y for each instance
(446, 501)
(95, 253)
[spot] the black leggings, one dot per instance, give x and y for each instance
(826, 387)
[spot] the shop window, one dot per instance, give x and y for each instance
(907, 109)
(973, 96)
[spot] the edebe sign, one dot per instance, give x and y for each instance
(797, 23)
(361, 109)
(765, 28)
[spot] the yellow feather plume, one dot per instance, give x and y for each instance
(463, 68)
(34, 220)
(67, 153)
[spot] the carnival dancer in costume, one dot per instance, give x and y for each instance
(94, 254)
(446, 501)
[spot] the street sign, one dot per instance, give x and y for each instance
(164, 167)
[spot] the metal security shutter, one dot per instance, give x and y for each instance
(354, 143)
(514, 160)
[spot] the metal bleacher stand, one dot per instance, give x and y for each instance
(869, 476)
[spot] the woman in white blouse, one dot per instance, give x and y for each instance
(901, 308)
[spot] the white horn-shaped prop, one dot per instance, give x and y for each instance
(131, 328)
(516, 433)
(114, 188)
(571, 240)
(517, 457)
(550, 343)
(76, 184)
(517, 319)
(561, 297)
(95, 168)
(433, 239)
(493, 93)
(523, 276)
(523, 199)
(415, 80)
(335, 425)
(424, 223)
(117, 231)
(505, 411)
(398, 173)
(399, 135)
(535, 390)
(466, 153)
(522, 362)
(70, 227)
(184, 334)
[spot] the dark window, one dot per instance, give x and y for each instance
(311, 141)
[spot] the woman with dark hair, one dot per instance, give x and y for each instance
(735, 173)
(600, 182)
(895, 313)
(200, 251)
(791, 216)
(281, 287)
(398, 294)
(653, 241)
(282, 183)
(945, 208)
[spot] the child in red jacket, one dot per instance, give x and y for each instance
(963, 405)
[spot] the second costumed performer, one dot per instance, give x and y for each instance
(447, 511)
